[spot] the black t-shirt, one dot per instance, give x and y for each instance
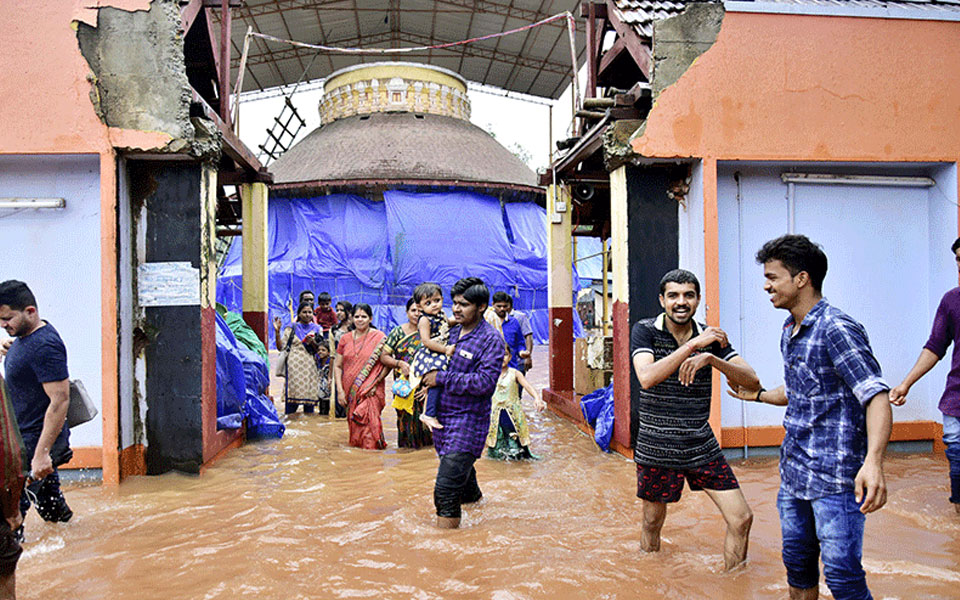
(33, 360)
(673, 420)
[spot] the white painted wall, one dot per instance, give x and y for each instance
(57, 253)
(889, 264)
(690, 238)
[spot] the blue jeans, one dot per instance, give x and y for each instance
(951, 437)
(831, 526)
(433, 399)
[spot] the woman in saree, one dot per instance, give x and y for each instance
(398, 351)
(359, 378)
(301, 342)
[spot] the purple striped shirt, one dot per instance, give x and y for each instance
(468, 384)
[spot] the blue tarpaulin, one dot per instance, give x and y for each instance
(436, 237)
(376, 252)
(597, 407)
(527, 225)
(231, 387)
(242, 379)
(262, 418)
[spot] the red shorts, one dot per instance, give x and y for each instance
(662, 484)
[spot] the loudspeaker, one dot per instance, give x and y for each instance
(584, 191)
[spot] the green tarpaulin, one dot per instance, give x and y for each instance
(242, 331)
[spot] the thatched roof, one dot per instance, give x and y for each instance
(402, 147)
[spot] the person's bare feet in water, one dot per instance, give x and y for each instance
(430, 422)
(649, 542)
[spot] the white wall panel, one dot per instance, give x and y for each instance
(889, 264)
(57, 253)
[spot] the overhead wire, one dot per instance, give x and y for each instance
(566, 16)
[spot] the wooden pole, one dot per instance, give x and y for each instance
(560, 287)
(254, 202)
(225, 23)
(606, 301)
(550, 133)
(573, 254)
(332, 409)
(591, 90)
(239, 88)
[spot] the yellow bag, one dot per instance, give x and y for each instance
(400, 401)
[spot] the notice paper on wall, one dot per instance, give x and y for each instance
(168, 284)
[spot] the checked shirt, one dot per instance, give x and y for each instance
(468, 384)
(830, 374)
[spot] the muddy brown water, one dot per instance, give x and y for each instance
(309, 517)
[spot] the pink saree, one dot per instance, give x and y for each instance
(366, 395)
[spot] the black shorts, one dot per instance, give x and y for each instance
(10, 549)
(663, 484)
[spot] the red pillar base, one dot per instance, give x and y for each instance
(214, 441)
(561, 349)
(564, 403)
(259, 322)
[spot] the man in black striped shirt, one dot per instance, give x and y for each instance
(672, 355)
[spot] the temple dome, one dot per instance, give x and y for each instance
(404, 123)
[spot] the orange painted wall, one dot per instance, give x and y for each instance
(45, 108)
(810, 88)
(794, 87)
(45, 94)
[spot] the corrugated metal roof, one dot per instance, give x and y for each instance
(534, 62)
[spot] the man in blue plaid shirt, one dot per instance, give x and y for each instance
(464, 407)
(837, 425)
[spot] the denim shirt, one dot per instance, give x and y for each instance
(830, 374)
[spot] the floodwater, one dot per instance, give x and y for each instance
(309, 517)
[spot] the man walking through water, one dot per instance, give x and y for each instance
(837, 425)
(464, 407)
(945, 330)
(37, 378)
(674, 440)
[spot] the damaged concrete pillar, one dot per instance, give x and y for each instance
(560, 282)
(138, 70)
(643, 223)
(680, 40)
(254, 200)
(177, 289)
(620, 293)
